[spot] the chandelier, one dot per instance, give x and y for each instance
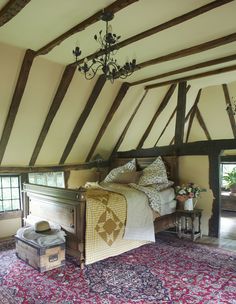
(103, 60)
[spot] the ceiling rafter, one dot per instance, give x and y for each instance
(65, 168)
(190, 51)
(191, 77)
(186, 117)
(167, 124)
(11, 9)
(188, 68)
(16, 100)
(114, 7)
(229, 109)
(202, 123)
(122, 136)
(56, 103)
(83, 117)
(119, 97)
(161, 107)
(180, 113)
(161, 27)
(193, 112)
(169, 120)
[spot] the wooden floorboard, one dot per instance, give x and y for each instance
(227, 238)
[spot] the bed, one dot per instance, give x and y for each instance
(96, 218)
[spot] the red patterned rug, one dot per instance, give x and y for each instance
(169, 271)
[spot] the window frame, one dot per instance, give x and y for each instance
(45, 173)
(11, 214)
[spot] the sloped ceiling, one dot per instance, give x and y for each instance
(51, 115)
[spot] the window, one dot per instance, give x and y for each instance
(9, 193)
(226, 168)
(53, 179)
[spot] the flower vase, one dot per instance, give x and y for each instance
(188, 204)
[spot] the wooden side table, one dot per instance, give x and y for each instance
(186, 224)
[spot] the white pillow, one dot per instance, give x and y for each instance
(155, 173)
(114, 174)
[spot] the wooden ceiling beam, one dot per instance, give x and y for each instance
(114, 7)
(83, 117)
(11, 9)
(180, 113)
(58, 98)
(167, 124)
(187, 69)
(16, 100)
(190, 51)
(161, 27)
(191, 77)
(193, 112)
(169, 120)
(64, 168)
(186, 117)
(122, 136)
(204, 147)
(120, 96)
(229, 109)
(161, 107)
(202, 124)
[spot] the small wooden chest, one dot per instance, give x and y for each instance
(41, 258)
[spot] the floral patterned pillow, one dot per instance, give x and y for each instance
(114, 174)
(155, 173)
(162, 186)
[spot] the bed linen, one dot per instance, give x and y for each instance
(139, 221)
(105, 225)
(119, 218)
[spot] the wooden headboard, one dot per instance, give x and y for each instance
(171, 163)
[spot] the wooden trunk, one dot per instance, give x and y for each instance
(40, 258)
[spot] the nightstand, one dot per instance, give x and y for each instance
(189, 223)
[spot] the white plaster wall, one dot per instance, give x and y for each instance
(196, 169)
(9, 227)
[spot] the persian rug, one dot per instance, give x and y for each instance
(168, 271)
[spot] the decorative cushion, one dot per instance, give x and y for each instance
(115, 173)
(154, 173)
(163, 186)
(128, 177)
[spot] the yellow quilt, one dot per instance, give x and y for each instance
(105, 224)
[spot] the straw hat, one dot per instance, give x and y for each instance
(42, 226)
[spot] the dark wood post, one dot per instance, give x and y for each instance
(180, 114)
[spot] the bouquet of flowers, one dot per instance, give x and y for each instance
(187, 191)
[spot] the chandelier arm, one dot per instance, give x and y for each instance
(104, 59)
